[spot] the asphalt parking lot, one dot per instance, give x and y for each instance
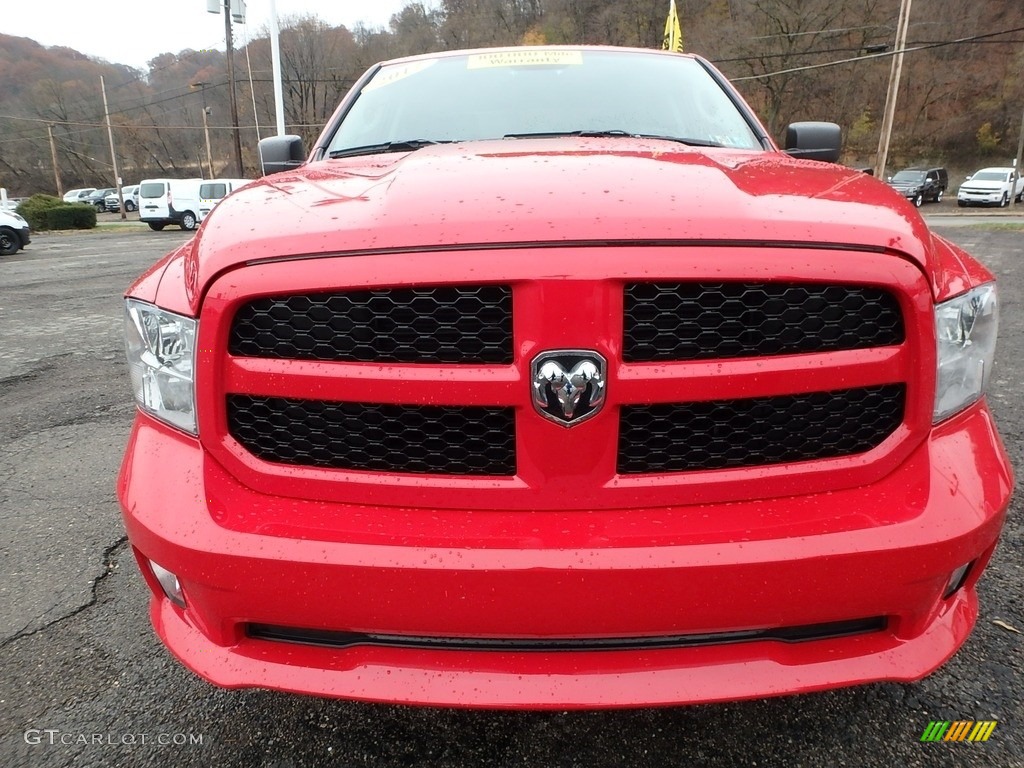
(84, 681)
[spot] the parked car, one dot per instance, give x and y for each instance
(990, 186)
(512, 396)
(921, 185)
(212, 191)
(78, 195)
(11, 203)
(97, 198)
(169, 201)
(14, 233)
(131, 199)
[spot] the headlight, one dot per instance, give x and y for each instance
(161, 360)
(965, 331)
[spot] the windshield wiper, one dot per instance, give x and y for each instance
(680, 140)
(559, 134)
(407, 145)
(615, 132)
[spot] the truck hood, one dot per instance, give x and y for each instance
(986, 186)
(550, 191)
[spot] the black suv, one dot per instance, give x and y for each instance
(96, 198)
(921, 185)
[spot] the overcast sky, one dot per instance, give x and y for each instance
(134, 31)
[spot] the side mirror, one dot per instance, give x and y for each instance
(281, 153)
(967, 177)
(814, 141)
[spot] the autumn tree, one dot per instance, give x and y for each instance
(791, 59)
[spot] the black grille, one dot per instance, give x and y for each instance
(757, 431)
(447, 324)
(796, 634)
(695, 321)
(391, 438)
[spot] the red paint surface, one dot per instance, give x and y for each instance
(565, 548)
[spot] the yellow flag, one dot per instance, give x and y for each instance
(673, 33)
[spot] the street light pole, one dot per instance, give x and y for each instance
(275, 57)
(894, 86)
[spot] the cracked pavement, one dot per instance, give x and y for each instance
(79, 660)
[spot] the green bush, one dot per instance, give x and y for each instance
(48, 212)
(75, 216)
(34, 209)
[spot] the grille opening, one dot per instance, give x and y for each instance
(678, 437)
(703, 321)
(445, 324)
(340, 640)
(391, 438)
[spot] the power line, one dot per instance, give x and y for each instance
(116, 126)
(885, 54)
(344, 82)
(817, 32)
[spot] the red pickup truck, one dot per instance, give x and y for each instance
(546, 379)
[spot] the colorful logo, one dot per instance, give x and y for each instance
(959, 730)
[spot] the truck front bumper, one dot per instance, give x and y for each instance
(602, 608)
(980, 198)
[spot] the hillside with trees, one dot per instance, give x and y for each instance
(960, 102)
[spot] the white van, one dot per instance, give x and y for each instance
(212, 191)
(14, 233)
(169, 201)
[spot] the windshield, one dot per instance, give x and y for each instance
(989, 176)
(527, 92)
(909, 176)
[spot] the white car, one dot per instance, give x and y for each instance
(131, 199)
(78, 195)
(990, 186)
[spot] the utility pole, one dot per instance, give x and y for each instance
(113, 155)
(231, 9)
(1016, 164)
(209, 151)
(894, 87)
(53, 156)
(231, 90)
(206, 128)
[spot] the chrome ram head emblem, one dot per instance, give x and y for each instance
(568, 385)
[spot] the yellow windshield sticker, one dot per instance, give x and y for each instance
(391, 75)
(525, 57)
